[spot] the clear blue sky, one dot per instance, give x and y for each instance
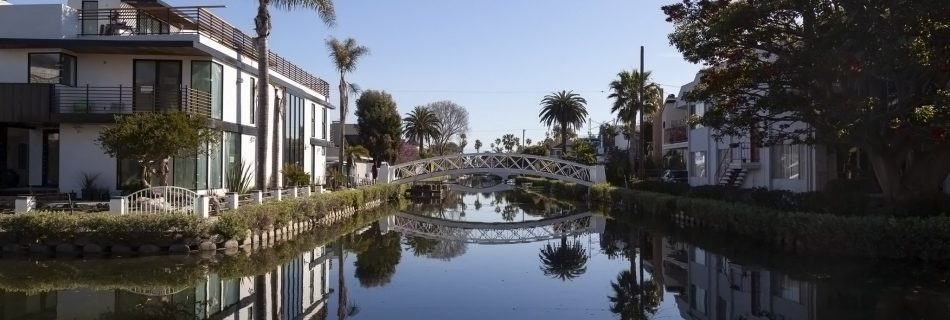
(497, 58)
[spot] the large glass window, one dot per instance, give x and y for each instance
(294, 130)
(253, 100)
(697, 297)
(208, 76)
(697, 164)
(324, 122)
(56, 68)
(786, 161)
(787, 288)
(90, 21)
(216, 172)
(185, 171)
(232, 145)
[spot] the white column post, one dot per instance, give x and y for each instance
(118, 205)
(24, 204)
(385, 173)
(598, 174)
(203, 206)
(277, 194)
(257, 197)
(293, 192)
(232, 201)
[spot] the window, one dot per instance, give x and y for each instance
(216, 173)
(232, 164)
(324, 121)
(253, 100)
(313, 120)
(697, 299)
(786, 161)
(697, 163)
(90, 23)
(208, 76)
(699, 256)
(787, 288)
(55, 68)
(295, 108)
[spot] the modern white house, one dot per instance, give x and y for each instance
(738, 161)
(67, 69)
(672, 130)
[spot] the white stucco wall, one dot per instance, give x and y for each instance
(14, 20)
(79, 153)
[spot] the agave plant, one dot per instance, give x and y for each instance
(239, 178)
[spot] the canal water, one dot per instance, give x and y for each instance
(502, 255)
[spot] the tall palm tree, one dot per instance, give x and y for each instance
(565, 262)
(632, 300)
(634, 94)
(345, 56)
(262, 25)
(565, 109)
(420, 125)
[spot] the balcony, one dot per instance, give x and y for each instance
(101, 104)
(48, 103)
(675, 134)
(161, 20)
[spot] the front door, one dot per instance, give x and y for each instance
(157, 84)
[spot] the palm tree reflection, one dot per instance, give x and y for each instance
(566, 261)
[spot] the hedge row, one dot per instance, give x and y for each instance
(234, 225)
(926, 238)
(165, 229)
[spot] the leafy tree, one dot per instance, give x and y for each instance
(262, 25)
(420, 126)
(153, 138)
(537, 150)
(565, 109)
(583, 153)
(453, 122)
(345, 55)
(379, 125)
(463, 141)
(872, 74)
(478, 145)
(527, 142)
(634, 94)
(566, 261)
(608, 134)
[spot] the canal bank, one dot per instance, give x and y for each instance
(98, 234)
(877, 236)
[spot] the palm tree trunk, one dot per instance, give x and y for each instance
(343, 101)
(563, 139)
(631, 152)
(275, 165)
(341, 282)
(421, 140)
(263, 25)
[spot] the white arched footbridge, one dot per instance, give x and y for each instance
(492, 232)
(500, 164)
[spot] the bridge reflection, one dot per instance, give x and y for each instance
(492, 232)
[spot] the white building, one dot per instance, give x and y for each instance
(66, 70)
(736, 160)
(672, 128)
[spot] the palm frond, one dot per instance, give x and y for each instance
(324, 8)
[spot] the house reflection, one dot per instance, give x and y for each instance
(710, 286)
(299, 289)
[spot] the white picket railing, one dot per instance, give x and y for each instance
(162, 199)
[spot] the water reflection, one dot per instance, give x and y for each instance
(617, 270)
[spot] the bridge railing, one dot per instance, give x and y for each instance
(493, 162)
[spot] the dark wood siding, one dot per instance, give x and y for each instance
(25, 102)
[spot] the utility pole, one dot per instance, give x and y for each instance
(643, 146)
(522, 137)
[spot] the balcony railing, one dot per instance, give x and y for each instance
(675, 134)
(126, 100)
(189, 20)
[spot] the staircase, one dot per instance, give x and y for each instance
(733, 177)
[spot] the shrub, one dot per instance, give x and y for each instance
(601, 192)
(103, 227)
(230, 225)
(295, 175)
(662, 187)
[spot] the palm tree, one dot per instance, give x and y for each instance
(262, 25)
(633, 301)
(565, 262)
(478, 145)
(630, 101)
(421, 125)
(345, 56)
(565, 109)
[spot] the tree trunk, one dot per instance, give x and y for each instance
(275, 165)
(563, 139)
(262, 24)
(905, 175)
(343, 100)
(631, 152)
(143, 174)
(165, 181)
(341, 282)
